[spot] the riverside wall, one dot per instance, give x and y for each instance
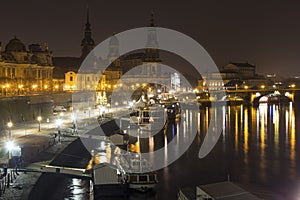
(22, 109)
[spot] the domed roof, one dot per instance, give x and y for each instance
(113, 41)
(15, 45)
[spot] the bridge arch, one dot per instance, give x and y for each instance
(273, 97)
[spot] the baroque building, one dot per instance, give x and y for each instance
(233, 76)
(91, 77)
(96, 76)
(150, 71)
(25, 71)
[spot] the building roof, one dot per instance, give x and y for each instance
(227, 190)
(15, 45)
(131, 56)
(65, 64)
(242, 64)
(189, 192)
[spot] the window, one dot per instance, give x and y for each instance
(71, 78)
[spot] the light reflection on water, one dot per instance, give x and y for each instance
(257, 146)
(78, 189)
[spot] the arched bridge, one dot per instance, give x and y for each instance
(254, 95)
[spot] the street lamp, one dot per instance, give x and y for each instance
(89, 108)
(39, 118)
(74, 116)
(9, 125)
(293, 85)
(58, 123)
(116, 106)
(10, 145)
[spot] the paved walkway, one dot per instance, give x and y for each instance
(39, 148)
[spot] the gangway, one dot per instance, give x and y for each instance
(65, 170)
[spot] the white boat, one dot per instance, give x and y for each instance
(151, 118)
(142, 181)
(139, 180)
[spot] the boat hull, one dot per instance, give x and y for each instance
(142, 187)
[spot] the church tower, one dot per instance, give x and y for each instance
(152, 59)
(152, 52)
(87, 43)
(113, 53)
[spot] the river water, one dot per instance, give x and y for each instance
(257, 149)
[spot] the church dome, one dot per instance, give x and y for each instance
(15, 45)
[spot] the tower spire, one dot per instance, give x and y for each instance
(152, 53)
(87, 25)
(87, 42)
(152, 19)
(87, 15)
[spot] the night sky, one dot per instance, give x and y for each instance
(264, 33)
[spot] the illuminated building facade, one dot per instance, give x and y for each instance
(95, 76)
(233, 76)
(25, 71)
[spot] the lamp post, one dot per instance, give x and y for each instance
(9, 125)
(59, 123)
(89, 108)
(74, 118)
(116, 106)
(39, 118)
(9, 144)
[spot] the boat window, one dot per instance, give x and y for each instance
(151, 178)
(133, 178)
(135, 163)
(143, 178)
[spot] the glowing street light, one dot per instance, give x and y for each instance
(130, 103)
(292, 85)
(39, 118)
(10, 145)
(262, 86)
(116, 106)
(59, 122)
